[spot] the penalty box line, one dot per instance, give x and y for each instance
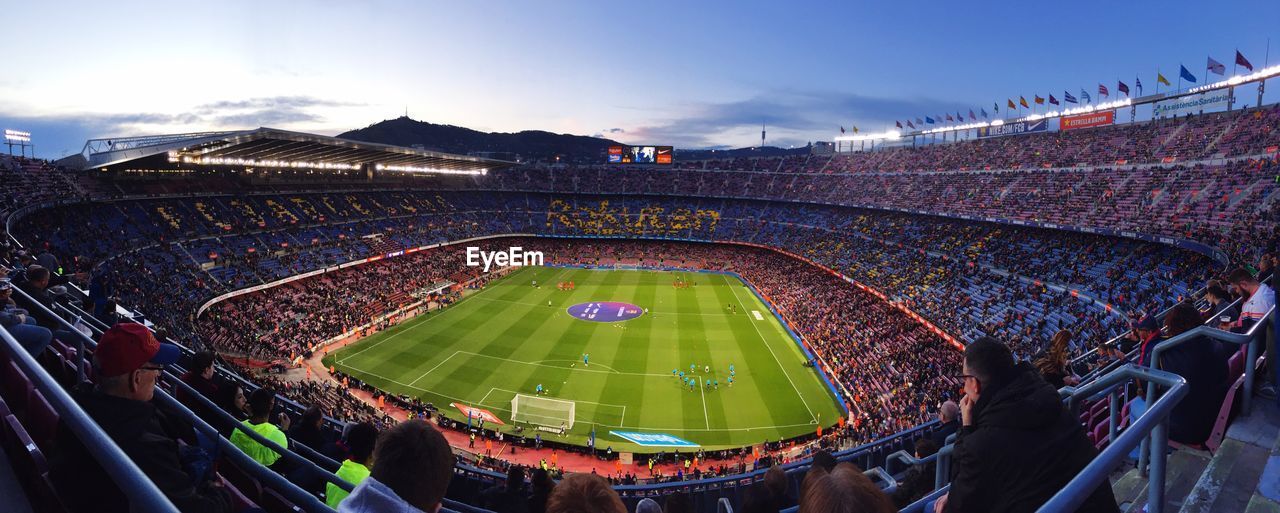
(621, 418)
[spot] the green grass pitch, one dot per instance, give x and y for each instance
(505, 339)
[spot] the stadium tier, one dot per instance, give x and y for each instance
(685, 328)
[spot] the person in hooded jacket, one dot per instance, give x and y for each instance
(1017, 445)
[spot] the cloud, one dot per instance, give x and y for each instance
(790, 118)
(615, 131)
(61, 134)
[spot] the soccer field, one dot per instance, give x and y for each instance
(505, 340)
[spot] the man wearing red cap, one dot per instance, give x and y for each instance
(129, 361)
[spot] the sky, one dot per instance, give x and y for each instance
(694, 74)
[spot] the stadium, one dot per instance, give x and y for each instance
(1061, 304)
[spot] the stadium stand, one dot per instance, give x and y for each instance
(1015, 238)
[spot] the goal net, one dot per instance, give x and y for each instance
(542, 411)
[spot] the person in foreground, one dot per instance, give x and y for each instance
(584, 493)
(1017, 445)
(412, 468)
(129, 361)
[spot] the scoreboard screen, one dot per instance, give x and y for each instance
(660, 155)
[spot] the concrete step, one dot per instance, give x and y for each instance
(1245, 473)
(1184, 467)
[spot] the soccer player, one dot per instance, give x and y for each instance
(548, 302)
(692, 368)
(692, 383)
(708, 383)
(585, 356)
(715, 383)
(707, 369)
(539, 391)
(730, 381)
(731, 368)
(673, 372)
(682, 376)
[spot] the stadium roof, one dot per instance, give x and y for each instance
(273, 148)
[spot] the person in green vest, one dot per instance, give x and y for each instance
(260, 404)
(360, 442)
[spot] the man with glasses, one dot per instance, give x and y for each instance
(129, 361)
(1017, 446)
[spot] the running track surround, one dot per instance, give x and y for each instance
(605, 311)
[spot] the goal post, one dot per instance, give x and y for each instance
(542, 411)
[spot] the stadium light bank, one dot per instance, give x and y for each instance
(513, 256)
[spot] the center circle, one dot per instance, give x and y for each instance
(605, 311)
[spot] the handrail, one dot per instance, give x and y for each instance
(1251, 355)
(143, 494)
(1154, 420)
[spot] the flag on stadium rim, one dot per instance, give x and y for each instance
(1022, 100)
(1053, 100)
(855, 128)
(909, 124)
(949, 118)
(1066, 97)
(1102, 90)
(984, 113)
(1216, 67)
(1039, 100)
(971, 116)
(899, 123)
(919, 121)
(842, 130)
(1160, 79)
(1138, 84)
(996, 106)
(1011, 105)
(1186, 75)
(1122, 87)
(1085, 95)
(928, 120)
(1241, 61)
(959, 117)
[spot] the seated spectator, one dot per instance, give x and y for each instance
(361, 442)
(232, 400)
(412, 468)
(949, 415)
(775, 483)
(1206, 374)
(1145, 334)
(309, 430)
(261, 403)
(1053, 365)
(200, 377)
(509, 497)
(22, 326)
(584, 493)
(920, 479)
(129, 361)
(647, 505)
(541, 485)
(1259, 299)
(843, 490)
(1220, 306)
(1017, 445)
(37, 284)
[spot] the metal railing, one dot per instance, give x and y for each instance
(142, 493)
(1256, 333)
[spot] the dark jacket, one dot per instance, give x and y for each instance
(1022, 448)
(1193, 418)
(149, 438)
(945, 429)
(500, 499)
(918, 482)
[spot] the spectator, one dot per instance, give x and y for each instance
(261, 402)
(509, 497)
(1206, 374)
(1017, 445)
(843, 490)
(37, 285)
(584, 493)
(542, 485)
(355, 469)
(949, 415)
(775, 483)
(22, 326)
(1145, 334)
(1259, 299)
(1220, 304)
(647, 505)
(232, 400)
(920, 478)
(129, 361)
(200, 377)
(309, 430)
(1053, 364)
(412, 468)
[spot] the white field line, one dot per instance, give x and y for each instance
(734, 289)
(455, 353)
(705, 418)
